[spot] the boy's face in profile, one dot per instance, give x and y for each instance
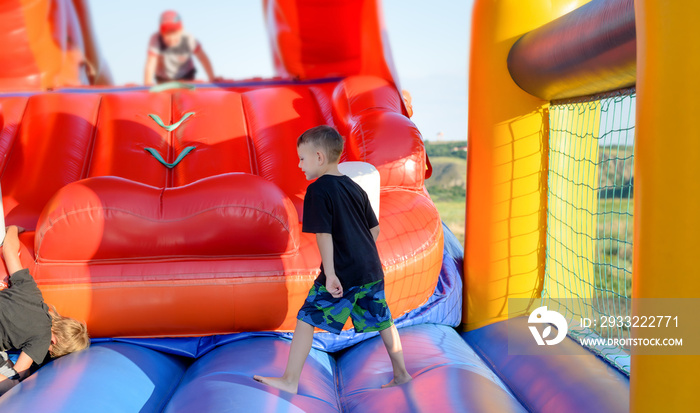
(310, 160)
(173, 38)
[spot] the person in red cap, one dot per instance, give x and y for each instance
(170, 53)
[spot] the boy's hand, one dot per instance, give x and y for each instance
(11, 242)
(10, 250)
(333, 286)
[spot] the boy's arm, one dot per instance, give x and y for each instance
(24, 362)
(325, 247)
(6, 384)
(10, 250)
(206, 64)
(375, 232)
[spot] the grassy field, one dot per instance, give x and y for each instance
(447, 188)
(615, 229)
(613, 238)
(453, 214)
(615, 250)
(613, 268)
(449, 159)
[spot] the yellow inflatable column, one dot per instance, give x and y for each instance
(507, 167)
(667, 189)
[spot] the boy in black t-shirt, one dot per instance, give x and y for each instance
(351, 283)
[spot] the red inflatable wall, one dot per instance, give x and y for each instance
(314, 39)
(47, 44)
(213, 243)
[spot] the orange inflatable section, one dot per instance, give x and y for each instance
(310, 40)
(47, 44)
(207, 239)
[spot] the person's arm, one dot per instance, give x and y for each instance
(375, 232)
(325, 247)
(10, 250)
(24, 362)
(6, 384)
(206, 64)
(151, 63)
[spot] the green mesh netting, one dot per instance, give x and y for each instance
(588, 272)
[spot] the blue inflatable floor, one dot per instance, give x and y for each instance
(120, 377)
(452, 373)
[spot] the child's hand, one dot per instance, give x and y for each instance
(19, 229)
(11, 241)
(333, 286)
(10, 250)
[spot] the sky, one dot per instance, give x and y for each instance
(429, 42)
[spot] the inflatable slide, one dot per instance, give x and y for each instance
(169, 220)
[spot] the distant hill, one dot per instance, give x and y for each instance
(448, 189)
(449, 179)
(616, 171)
(455, 149)
(447, 172)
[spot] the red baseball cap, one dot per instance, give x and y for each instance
(170, 21)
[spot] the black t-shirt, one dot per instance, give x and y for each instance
(338, 206)
(25, 323)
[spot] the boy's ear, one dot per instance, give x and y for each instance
(321, 157)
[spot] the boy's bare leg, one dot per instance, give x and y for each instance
(392, 342)
(299, 350)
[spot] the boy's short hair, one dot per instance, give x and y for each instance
(71, 335)
(326, 138)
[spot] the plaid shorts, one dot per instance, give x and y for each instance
(365, 305)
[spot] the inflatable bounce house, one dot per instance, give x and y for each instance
(169, 218)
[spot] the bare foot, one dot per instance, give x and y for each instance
(278, 383)
(397, 381)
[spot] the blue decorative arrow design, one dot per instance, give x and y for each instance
(177, 161)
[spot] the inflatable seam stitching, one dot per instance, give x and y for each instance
(338, 381)
(169, 174)
(252, 155)
(10, 151)
(492, 366)
(90, 150)
(64, 216)
(426, 248)
(351, 121)
(316, 98)
(165, 401)
(251, 277)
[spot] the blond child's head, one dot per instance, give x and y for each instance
(68, 335)
(325, 138)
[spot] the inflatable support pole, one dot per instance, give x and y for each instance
(667, 166)
(507, 164)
